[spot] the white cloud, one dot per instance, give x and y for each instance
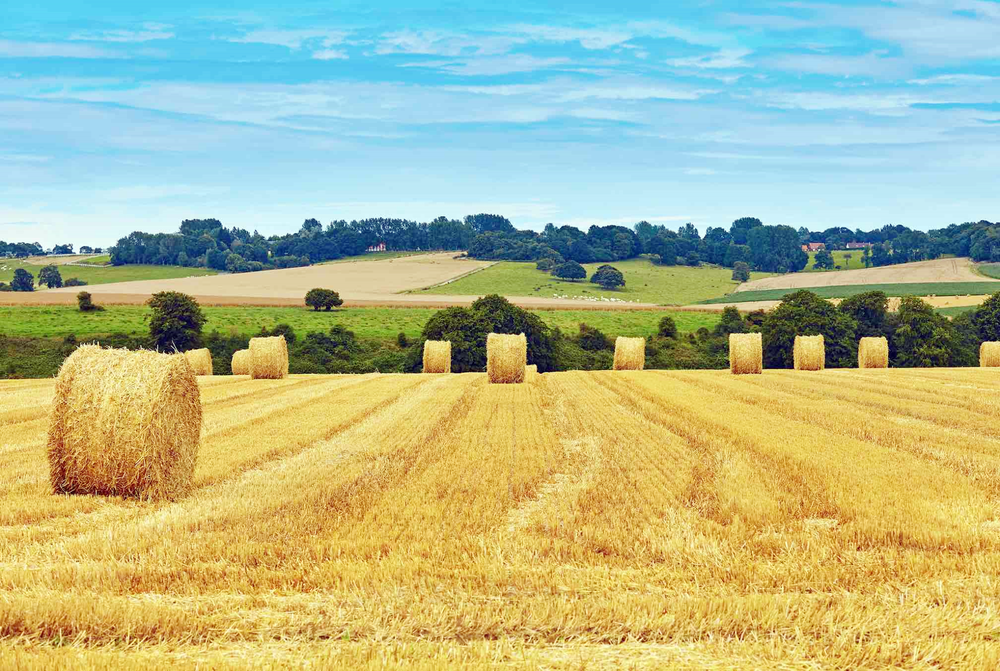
(494, 65)
(12, 49)
(629, 90)
(726, 58)
(589, 38)
(292, 39)
(873, 64)
(151, 31)
(956, 80)
(329, 54)
(441, 43)
(24, 158)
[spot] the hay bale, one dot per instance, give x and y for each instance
(437, 356)
(531, 373)
(506, 358)
(989, 355)
(241, 362)
(630, 353)
(268, 358)
(809, 352)
(200, 360)
(124, 424)
(746, 354)
(873, 353)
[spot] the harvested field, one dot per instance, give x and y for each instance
(644, 519)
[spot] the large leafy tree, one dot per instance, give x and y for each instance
(987, 318)
(805, 313)
(925, 338)
(608, 277)
(871, 311)
(50, 277)
(175, 322)
(23, 281)
(571, 270)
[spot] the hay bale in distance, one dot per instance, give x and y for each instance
(809, 353)
(268, 358)
(746, 354)
(873, 353)
(124, 424)
(989, 355)
(630, 353)
(437, 356)
(506, 358)
(200, 360)
(241, 362)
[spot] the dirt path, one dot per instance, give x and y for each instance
(939, 270)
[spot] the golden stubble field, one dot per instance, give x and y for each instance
(583, 520)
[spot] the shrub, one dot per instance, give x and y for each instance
(279, 330)
(667, 328)
(74, 282)
(545, 264)
(692, 259)
(592, 339)
(176, 321)
(326, 299)
(741, 271)
(731, 322)
(83, 300)
(571, 270)
(402, 340)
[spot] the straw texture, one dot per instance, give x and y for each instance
(437, 356)
(124, 424)
(200, 360)
(873, 353)
(241, 362)
(268, 358)
(989, 355)
(809, 353)
(506, 358)
(746, 354)
(531, 373)
(630, 353)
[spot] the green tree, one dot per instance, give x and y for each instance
(593, 339)
(667, 327)
(545, 265)
(175, 321)
(870, 310)
(987, 318)
(741, 271)
(23, 281)
(731, 322)
(74, 282)
(805, 313)
(50, 276)
(571, 270)
(326, 299)
(608, 277)
(925, 338)
(823, 260)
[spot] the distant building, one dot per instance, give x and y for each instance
(858, 245)
(813, 246)
(380, 247)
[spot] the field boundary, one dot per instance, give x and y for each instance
(848, 290)
(447, 282)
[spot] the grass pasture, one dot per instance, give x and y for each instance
(908, 289)
(647, 520)
(58, 321)
(645, 282)
(103, 274)
(839, 259)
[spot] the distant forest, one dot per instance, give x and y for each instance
(208, 243)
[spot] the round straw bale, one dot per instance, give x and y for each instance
(746, 353)
(200, 360)
(268, 358)
(809, 353)
(506, 358)
(531, 373)
(437, 356)
(241, 362)
(124, 424)
(989, 355)
(630, 353)
(873, 353)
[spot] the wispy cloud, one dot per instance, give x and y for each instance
(444, 43)
(14, 49)
(723, 59)
(589, 38)
(329, 54)
(148, 33)
(292, 39)
(494, 65)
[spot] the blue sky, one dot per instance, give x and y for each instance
(120, 116)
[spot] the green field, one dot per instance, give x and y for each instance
(104, 274)
(911, 289)
(382, 323)
(839, 259)
(988, 269)
(645, 282)
(102, 260)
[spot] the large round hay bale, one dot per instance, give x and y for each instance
(746, 354)
(200, 360)
(437, 356)
(989, 355)
(124, 424)
(241, 362)
(506, 358)
(531, 373)
(268, 358)
(873, 353)
(630, 353)
(809, 353)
